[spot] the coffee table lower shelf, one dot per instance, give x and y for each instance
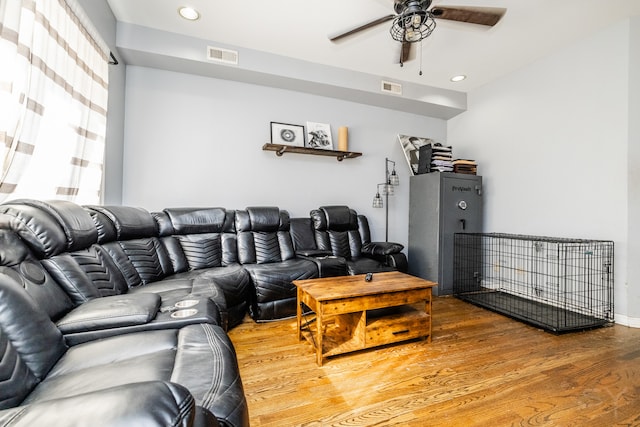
(345, 333)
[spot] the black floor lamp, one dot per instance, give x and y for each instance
(391, 180)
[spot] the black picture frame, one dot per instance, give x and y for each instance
(287, 134)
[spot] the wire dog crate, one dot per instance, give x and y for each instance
(557, 284)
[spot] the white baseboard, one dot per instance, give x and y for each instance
(632, 322)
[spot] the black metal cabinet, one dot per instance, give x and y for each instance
(440, 205)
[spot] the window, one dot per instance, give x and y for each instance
(53, 102)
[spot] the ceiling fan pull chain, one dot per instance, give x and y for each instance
(420, 73)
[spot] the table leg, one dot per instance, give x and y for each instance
(319, 336)
(428, 308)
(299, 314)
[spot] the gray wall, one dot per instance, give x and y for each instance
(558, 149)
(194, 140)
(100, 14)
(632, 286)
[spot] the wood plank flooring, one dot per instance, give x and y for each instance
(482, 369)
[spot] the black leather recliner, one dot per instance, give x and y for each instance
(389, 253)
(143, 378)
(338, 230)
(202, 241)
(265, 250)
(304, 243)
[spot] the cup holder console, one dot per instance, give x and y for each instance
(186, 303)
(181, 314)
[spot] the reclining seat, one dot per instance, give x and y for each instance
(266, 251)
(202, 242)
(135, 248)
(131, 239)
(75, 247)
(160, 377)
(28, 235)
(336, 230)
(304, 243)
(389, 253)
(18, 263)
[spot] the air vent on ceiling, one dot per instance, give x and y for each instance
(393, 88)
(225, 56)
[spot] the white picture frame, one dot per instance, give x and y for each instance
(319, 136)
(411, 148)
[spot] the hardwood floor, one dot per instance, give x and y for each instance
(482, 369)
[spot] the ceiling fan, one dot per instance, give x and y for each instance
(413, 21)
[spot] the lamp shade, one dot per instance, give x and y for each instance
(377, 201)
(393, 178)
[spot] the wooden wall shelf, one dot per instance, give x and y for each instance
(280, 149)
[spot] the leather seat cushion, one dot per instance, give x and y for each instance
(274, 281)
(166, 355)
(233, 280)
(275, 294)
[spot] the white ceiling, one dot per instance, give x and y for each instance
(300, 29)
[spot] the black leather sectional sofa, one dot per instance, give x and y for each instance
(113, 315)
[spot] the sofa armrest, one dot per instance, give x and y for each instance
(111, 312)
(397, 261)
(153, 403)
(313, 253)
(381, 248)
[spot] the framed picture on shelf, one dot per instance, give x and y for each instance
(319, 136)
(411, 147)
(287, 134)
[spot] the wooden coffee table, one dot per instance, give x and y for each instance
(351, 314)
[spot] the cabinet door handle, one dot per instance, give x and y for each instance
(404, 331)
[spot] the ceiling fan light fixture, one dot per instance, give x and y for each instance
(411, 35)
(189, 13)
(412, 26)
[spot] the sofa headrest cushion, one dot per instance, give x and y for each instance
(106, 228)
(340, 218)
(199, 220)
(130, 222)
(77, 224)
(335, 218)
(39, 230)
(163, 222)
(267, 219)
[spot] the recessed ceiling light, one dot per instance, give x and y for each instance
(189, 13)
(458, 78)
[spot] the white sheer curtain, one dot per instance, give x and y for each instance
(53, 102)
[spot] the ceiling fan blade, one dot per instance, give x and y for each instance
(474, 15)
(373, 23)
(405, 52)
